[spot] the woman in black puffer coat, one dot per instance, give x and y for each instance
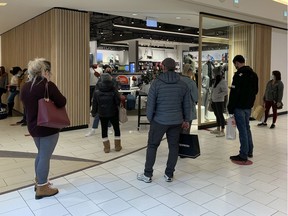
(106, 102)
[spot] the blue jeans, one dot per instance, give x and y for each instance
(155, 136)
(45, 146)
(96, 121)
(12, 96)
(242, 121)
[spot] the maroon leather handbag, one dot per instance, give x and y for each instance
(49, 115)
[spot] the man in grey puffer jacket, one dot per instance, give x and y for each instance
(168, 110)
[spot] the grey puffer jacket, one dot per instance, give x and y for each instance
(169, 101)
(193, 94)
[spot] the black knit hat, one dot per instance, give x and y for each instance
(15, 70)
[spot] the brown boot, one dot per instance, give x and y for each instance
(36, 182)
(118, 146)
(106, 146)
(45, 191)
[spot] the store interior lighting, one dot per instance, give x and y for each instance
(154, 30)
(167, 32)
(285, 2)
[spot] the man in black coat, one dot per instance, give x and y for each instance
(243, 92)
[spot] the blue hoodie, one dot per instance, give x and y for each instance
(168, 100)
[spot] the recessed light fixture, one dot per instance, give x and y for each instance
(134, 14)
(285, 2)
(178, 17)
(3, 4)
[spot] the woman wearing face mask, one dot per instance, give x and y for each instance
(273, 97)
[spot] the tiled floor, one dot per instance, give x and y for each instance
(209, 185)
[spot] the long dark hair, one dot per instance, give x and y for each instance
(277, 74)
(218, 78)
(2, 70)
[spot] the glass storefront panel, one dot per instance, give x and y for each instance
(219, 41)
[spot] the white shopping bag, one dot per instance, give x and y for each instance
(231, 128)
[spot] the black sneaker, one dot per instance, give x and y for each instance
(20, 122)
(262, 124)
(237, 158)
(250, 155)
(272, 126)
(24, 124)
(168, 179)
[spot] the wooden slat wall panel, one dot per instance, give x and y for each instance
(71, 57)
(61, 36)
(262, 58)
(240, 40)
(25, 42)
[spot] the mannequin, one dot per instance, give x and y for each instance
(205, 91)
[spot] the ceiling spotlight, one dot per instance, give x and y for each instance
(134, 14)
(3, 4)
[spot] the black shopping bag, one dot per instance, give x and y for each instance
(189, 146)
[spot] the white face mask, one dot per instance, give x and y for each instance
(273, 77)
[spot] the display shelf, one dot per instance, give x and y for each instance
(141, 112)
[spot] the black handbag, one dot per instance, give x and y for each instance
(189, 146)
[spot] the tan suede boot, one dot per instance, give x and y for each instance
(45, 190)
(118, 146)
(36, 182)
(106, 146)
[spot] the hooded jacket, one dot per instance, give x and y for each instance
(193, 95)
(169, 101)
(244, 89)
(106, 99)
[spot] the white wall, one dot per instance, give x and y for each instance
(279, 59)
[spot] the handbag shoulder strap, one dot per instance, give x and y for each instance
(46, 92)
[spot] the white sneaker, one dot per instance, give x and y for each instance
(220, 134)
(110, 131)
(216, 131)
(91, 133)
(142, 177)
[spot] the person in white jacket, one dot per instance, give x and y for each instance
(219, 91)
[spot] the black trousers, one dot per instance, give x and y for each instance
(92, 89)
(115, 123)
(156, 134)
(218, 108)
